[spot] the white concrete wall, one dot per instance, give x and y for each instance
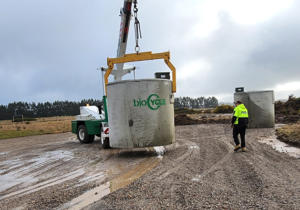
(137, 117)
(260, 105)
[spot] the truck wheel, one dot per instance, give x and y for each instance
(83, 135)
(106, 143)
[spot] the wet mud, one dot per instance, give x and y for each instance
(56, 171)
(199, 171)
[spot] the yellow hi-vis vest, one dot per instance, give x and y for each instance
(240, 112)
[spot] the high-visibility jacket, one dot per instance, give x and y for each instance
(240, 115)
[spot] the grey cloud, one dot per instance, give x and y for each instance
(50, 49)
(54, 47)
(257, 57)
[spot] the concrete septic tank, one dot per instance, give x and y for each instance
(140, 113)
(260, 105)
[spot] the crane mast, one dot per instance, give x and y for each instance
(125, 14)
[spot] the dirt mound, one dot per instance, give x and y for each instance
(185, 119)
(193, 111)
(286, 119)
(289, 134)
(289, 111)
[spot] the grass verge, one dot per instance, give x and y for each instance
(41, 126)
(14, 134)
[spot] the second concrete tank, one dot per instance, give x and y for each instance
(260, 105)
(140, 113)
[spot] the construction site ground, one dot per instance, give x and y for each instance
(199, 171)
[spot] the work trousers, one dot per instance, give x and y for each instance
(238, 129)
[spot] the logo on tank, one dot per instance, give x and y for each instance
(153, 102)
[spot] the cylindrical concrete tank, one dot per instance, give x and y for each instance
(140, 113)
(260, 105)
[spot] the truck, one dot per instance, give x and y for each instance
(91, 122)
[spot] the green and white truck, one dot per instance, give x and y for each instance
(90, 123)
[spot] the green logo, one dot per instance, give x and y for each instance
(153, 102)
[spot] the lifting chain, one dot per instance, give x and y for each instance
(137, 27)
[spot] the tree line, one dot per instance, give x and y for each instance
(70, 108)
(47, 109)
(201, 102)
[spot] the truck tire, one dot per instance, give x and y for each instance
(106, 143)
(83, 136)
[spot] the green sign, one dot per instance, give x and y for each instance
(153, 102)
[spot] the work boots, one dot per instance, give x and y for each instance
(237, 147)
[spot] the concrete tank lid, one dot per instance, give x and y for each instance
(138, 80)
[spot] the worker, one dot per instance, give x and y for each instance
(239, 124)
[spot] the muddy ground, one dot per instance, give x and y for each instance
(199, 171)
(50, 171)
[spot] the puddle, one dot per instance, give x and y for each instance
(37, 170)
(119, 182)
(23, 171)
(197, 178)
(10, 180)
(281, 146)
(194, 147)
(53, 156)
(3, 153)
(91, 178)
(48, 183)
(279, 125)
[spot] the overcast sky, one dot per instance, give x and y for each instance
(50, 49)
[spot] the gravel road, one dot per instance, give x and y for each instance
(202, 171)
(199, 171)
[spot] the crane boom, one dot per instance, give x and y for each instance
(125, 14)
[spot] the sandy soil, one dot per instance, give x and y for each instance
(199, 171)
